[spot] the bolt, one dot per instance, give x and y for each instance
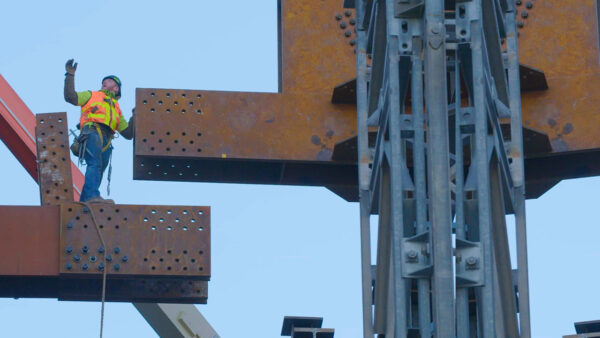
(524, 14)
(342, 25)
(116, 250)
(101, 249)
(520, 24)
(352, 21)
(108, 258)
(101, 266)
(348, 13)
(69, 265)
(76, 258)
(69, 249)
(338, 17)
(412, 254)
(347, 33)
(529, 5)
(471, 261)
(519, 2)
(124, 259)
(352, 42)
(70, 225)
(85, 210)
(116, 266)
(84, 266)
(85, 249)
(92, 259)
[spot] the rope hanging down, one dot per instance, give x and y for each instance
(86, 205)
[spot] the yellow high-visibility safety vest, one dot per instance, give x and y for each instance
(101, 108)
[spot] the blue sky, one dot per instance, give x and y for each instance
(276, 251)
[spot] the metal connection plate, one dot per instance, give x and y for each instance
(261, 137)
(140, 240)
(54, 162)
(149, 290)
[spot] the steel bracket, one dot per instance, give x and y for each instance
(416, 256)
(469, 263)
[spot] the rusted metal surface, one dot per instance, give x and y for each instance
(140, 240)
(30, 263)
(299, 124)
(561, 39)
(17, 131)
(290, 137)
(29, 240)
(56, 185)
(153, 253)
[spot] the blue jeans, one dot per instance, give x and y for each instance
(96, 161)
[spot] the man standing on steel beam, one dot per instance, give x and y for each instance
(100, 118)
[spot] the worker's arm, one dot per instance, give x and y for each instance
(127, 129)
(70, 94)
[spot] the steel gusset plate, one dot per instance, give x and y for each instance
(140, 240)
(270, 138)
(54, 162)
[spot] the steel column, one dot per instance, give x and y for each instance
(487, 307)
(438, 169)
(363, 171)
(423, 284)
(517, 169)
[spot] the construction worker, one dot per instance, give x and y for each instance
(100, 118)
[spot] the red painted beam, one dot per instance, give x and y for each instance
(17, 130)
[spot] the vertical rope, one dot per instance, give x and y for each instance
(103, 262)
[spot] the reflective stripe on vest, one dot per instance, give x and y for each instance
(101, 108)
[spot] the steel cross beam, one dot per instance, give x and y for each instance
(306, 134)
(35, 226)
(466, 175)
(150, 253)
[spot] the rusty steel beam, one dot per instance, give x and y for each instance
(292, 137)
(17, 131)
(30, 257)
(52, 141)
(63, 248)
(139, 240)
(273, 138)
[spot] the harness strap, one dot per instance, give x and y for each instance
(101, 139)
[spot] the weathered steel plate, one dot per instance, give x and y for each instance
(279, 130)
(54, 162)
(140, 240)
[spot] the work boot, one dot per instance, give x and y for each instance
(99, 199)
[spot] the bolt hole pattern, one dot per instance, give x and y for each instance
(178, 101)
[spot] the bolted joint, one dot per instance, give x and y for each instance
(116, 250)
(124, 259)
(85, 249)
(76, 258)
(412, 256)
(68, 249)
(117, 267)
(471, 263)
(84, 266)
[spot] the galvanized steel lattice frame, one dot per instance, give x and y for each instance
(449, 170)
